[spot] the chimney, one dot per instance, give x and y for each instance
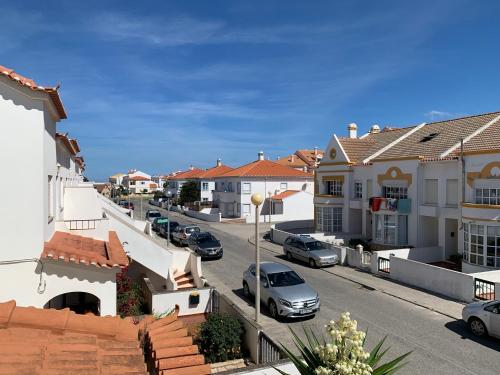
(375, 129)
(261, 155)
(353, 130)
(219, 162)
(293, 158)
(315, 151)
(191, 167)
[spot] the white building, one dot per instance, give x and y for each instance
(137, 182)
(233, 191)
(57, 248)
(207, 180)
(117, 179)
(414, 187)
(176, 181)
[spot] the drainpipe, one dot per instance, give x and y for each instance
(461, 199)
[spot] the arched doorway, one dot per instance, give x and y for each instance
(79, 302)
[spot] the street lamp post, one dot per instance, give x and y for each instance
(168, 222)
(257, 201)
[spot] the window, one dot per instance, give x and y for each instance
(328, 219)
(238, 187)
(488, 196)
(205, 199)
(230, 186)
(334, 188)
(246, 209)
(50, 200)
(358, 189)
(391, 229)
(283, 186)
(247, 188)
(482, 245)
(132, 182)
(204, 186)
(431, 191)
(429, 137)
(451, 192)
(216, 186)
(396, 192)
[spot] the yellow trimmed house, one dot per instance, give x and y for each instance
(428, 185)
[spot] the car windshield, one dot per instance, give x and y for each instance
(161, 220)
(288, 278)
(192, 229)
(314, 245)
(205, 237)
(154, 214)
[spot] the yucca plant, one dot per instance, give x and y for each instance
(342, 354)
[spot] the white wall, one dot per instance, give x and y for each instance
(168, 300)
(439, 280)
(204, 215)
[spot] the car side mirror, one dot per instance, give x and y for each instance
(495, 310)
(265, 284)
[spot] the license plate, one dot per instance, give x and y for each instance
(305, 311)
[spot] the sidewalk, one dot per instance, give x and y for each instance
(439, 304)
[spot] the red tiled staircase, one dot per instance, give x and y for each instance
(172, 350)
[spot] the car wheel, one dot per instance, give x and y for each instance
(246, 290)
(289, 255)
(273, 309)
(477, 327)
(312, 263)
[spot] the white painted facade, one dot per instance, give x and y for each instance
(233, 196)
(29, 147)
(437, 215)
(137, 182)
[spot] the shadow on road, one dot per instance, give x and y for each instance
(460, 328)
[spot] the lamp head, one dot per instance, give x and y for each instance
(257, 199)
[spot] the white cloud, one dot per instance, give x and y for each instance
(441, 115)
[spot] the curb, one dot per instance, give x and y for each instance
(373, 288)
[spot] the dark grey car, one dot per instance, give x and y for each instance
(307, 249)
(205, 245)
(284, 292)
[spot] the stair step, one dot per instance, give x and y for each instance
(192, 370)
(186, 286)
(174, 326)
(176, 362)
(175, 352)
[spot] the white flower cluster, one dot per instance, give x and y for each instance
(345, 355)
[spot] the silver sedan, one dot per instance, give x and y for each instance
(284, 292)
(483, 318)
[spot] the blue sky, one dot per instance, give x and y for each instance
(160, 85)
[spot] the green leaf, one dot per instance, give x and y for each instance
(390, 367)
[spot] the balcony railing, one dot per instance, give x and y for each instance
(88, 224)
(401, 205)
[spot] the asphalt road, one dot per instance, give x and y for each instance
(439, 344)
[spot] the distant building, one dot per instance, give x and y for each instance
(117, 179)
(288, 192)
(137, 182)
(303, 160)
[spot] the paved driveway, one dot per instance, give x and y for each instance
(440, 344)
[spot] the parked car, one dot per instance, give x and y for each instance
(163, 229)
(310, 250)
(157, 221)
(283, 291)
(151, 215)
(126, 204)
(182, 233)
(483, 318)
(205, 245)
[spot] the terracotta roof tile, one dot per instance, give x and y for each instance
(310, 156)
(49, 342)
(138, 178)
(292, 161)
(190, 173)
(85, 250)
(70, 144)
(216, 171)
(51, 91)
(301, 158)
(444, 135)
(266, 168)
(284, 194)
(172, 349)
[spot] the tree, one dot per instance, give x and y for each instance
(189, 193)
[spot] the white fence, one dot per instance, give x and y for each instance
(203, 215)
(446, 282)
